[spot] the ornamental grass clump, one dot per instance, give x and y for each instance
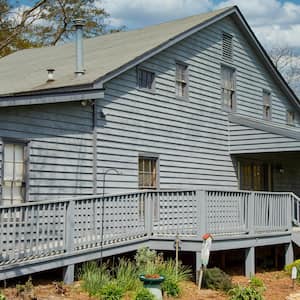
(94, 278)
(127, 275)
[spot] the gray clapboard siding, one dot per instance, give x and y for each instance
(244, 139)
(60, 151)
(191, 137)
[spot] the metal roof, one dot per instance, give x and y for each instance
(25, 71)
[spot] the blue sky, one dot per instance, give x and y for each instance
(275, 22)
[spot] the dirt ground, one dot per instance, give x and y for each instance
(278, 287)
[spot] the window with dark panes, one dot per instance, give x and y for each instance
(13, 181)
(146, 79)
(147, 173)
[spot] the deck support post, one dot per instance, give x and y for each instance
(289, 253)
(198, 264)
(250, 261)
(68, 274)
(201, 211)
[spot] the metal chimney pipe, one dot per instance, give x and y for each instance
(78, 24)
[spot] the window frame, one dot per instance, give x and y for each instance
(153, 85)
(150, 156)
(265, 105)
(185, 81)
(26, 145)
(233, 107)
(290, 122)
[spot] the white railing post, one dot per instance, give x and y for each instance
(250, 214)
(201, 213)
(69, 228)
(289, 211)
(149, 212)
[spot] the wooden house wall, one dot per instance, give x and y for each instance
(190, 136)
(60, 147)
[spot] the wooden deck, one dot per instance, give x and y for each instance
(43, 235)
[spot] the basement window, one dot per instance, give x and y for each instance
(145, 79)
(290, 118)
(181, 80)
(267, 105)
(227, 46)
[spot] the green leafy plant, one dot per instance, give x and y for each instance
(171, 287)
(94, 277)
(26, 290)
(2, 297)
(288, 268)
(172, 276)
(257, 283)
(245, 293)
(145, 257)
(216, 279)
(144, 294)
(127, 275)
(112, 291)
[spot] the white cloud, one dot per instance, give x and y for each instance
(272, 20)
(139, 13)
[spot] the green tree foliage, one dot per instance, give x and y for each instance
(47, 22)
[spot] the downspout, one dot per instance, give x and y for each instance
(94, 130)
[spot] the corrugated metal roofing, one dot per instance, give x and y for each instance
(25, 70)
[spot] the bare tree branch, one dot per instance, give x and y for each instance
(20, 27)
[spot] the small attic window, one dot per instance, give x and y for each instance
(145, 79)
(227, 46)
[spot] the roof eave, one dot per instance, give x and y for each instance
(47, 97)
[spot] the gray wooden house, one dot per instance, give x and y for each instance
(187, 125)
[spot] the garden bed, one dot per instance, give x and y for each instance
(278, 287)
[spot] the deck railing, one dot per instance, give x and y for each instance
(44, 229)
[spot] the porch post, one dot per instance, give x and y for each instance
(198, 264)
(68, 274)
(250, 261)
(289, 253)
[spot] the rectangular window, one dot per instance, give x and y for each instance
(13, 181)
(266, 105)
(147, 172)
(228, 88)
(227, 46)
(181, 80)
(145, 79)
(290, 118)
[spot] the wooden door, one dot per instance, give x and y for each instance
(255, 176)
